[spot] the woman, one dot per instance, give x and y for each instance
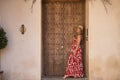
(75, 65)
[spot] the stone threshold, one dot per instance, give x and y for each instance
(61, 78)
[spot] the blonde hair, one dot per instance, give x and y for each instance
(81, 27)
(75, 33)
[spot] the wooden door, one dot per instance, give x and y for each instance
(58, 19)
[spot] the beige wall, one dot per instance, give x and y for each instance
(104, 39)
(21, 59)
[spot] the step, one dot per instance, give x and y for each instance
(61, 78)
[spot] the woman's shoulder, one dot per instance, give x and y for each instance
(75, 37)
(78, 36)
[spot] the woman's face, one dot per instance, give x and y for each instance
(78, 30)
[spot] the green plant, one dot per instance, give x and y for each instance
(3, 39)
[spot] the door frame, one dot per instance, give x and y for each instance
(86, 41)
(87, 37)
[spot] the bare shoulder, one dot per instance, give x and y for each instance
(79, 36)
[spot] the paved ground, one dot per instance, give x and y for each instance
(60, 78)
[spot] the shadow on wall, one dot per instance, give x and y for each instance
(105, 3)
(33, 2)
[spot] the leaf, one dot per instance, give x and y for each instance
(3, 38)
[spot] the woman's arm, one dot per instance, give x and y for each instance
(78, 42)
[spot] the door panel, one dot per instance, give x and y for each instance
(59, 18)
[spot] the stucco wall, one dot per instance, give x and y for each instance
(20, 60)
(104, 41)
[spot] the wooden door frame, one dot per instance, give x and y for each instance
(86, 41)
(87, 37)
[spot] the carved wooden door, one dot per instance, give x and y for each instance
(59, 18)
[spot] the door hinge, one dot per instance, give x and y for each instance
(86, 34)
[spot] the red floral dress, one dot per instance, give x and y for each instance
(75, 64)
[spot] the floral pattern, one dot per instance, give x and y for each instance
(75, 63)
